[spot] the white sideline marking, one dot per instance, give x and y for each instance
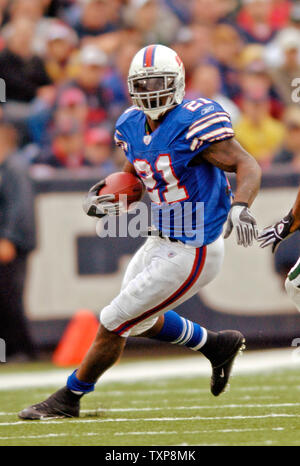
(188, 432)
(253, 361)
(154, 419)
(33, 436)
(183, 408)
(25, 437)
(160, 432)
(180, 408)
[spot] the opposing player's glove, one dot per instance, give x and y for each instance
(274, 234)
(99, 206)
(242, 221)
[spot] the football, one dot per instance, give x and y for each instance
(123, 183)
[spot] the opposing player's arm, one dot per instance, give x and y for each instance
(281, 230)
(296, 213)
(229, 156)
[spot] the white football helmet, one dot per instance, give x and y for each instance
(156, 80)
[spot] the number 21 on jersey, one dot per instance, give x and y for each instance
(170, 191)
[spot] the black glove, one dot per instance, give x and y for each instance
(277, 232)
(242, 221)
(99, 206)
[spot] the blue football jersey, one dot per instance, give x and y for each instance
(190, 202)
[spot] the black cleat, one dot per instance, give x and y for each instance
(229, 344)
(61, 404)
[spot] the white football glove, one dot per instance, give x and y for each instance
(242, 221)
(99, 206)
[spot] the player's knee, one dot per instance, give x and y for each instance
(108, 318)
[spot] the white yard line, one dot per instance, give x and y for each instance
(179, 408)
(25, 437)
(156, 419)
(192, 432)
(148, 433)
(254, 361)
(184, 408)
(21, 437)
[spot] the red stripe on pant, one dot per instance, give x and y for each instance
(169, 301)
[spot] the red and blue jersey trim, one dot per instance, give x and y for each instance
(149, 54)
(185, 287)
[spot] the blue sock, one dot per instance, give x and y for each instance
(77, 386)
(180, 331)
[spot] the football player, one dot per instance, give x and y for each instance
(278, 232)
(180, 149)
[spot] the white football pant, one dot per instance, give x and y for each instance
(160, 276)
(292, 282)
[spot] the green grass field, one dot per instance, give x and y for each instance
(259, 409)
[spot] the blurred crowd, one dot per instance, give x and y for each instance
(65, 65)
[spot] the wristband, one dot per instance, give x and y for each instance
(245, 204)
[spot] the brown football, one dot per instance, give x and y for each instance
(123, 183)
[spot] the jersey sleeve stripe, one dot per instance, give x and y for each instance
(208, 117)
(218, 132)
(120, 142)
(208, 124)
(223, 137)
